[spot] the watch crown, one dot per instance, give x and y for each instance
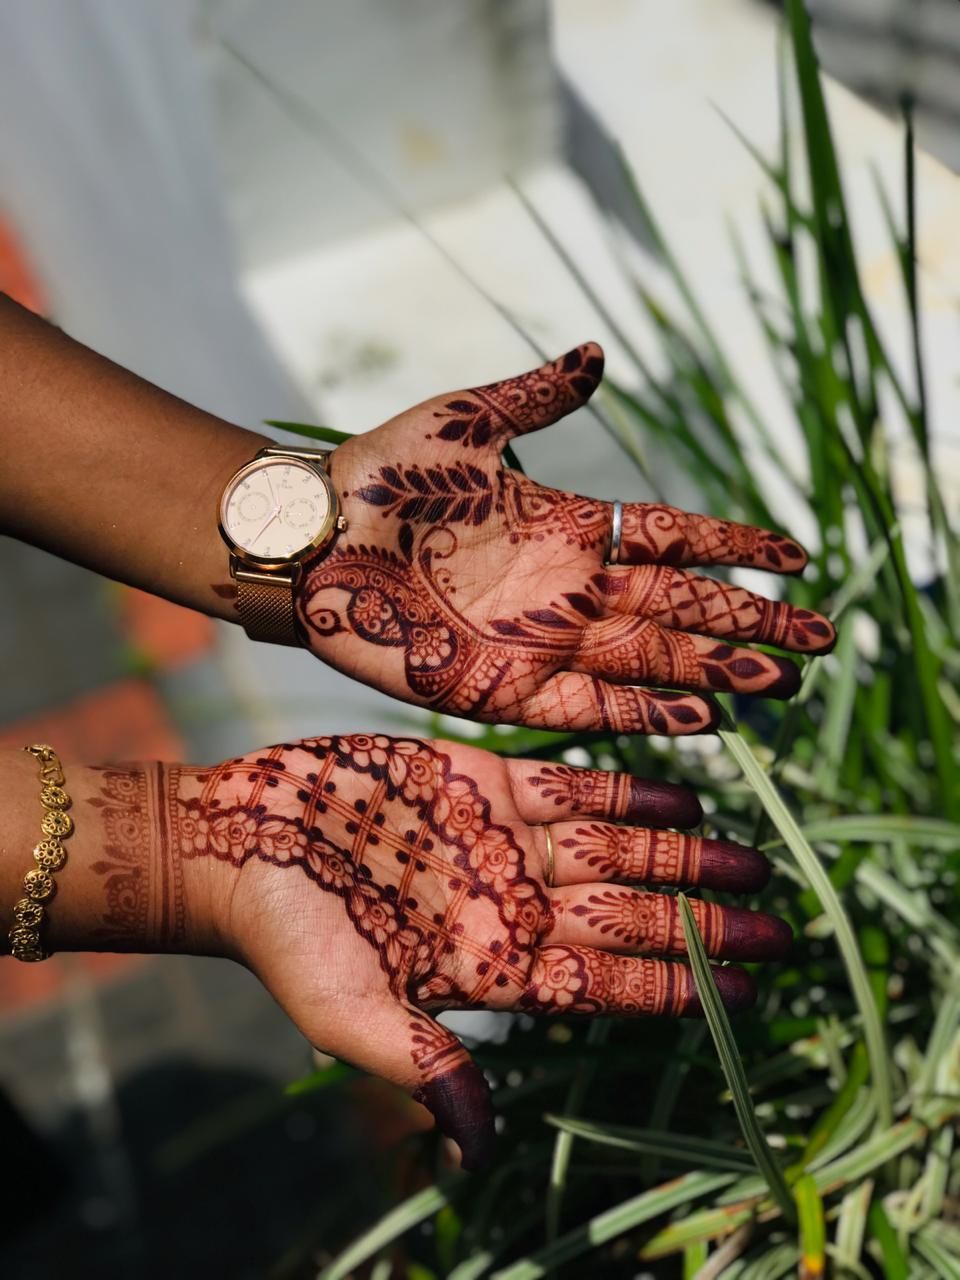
(341, 523)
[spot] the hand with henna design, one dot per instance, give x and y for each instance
(372, 881)
(458, 585)
(469, 588)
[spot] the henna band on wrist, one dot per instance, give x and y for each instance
(38, 884)
(616, 532)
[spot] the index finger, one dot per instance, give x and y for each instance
(653, 533)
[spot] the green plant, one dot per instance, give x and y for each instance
(839, 1149)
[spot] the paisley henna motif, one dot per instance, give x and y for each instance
(492, 589)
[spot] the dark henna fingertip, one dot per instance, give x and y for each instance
(737, 990)
(787, 683)
(753, 935)
(460, 1103)
(663, 804)
(733, 867)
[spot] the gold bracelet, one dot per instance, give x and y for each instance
(49, 855)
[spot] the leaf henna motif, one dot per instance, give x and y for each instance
(438, 495)
(492, 589)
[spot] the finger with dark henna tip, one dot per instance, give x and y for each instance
(567, 979)
(545, 791)
(590, 851)
(618, 918)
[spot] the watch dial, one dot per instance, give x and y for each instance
(276, 509)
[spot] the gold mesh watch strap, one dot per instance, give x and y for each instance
(265, 605)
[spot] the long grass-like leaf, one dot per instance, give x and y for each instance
(393, 1224)
(785, 823)
(614, 1222)
(563, 1145)
(722, 1033)
(329, 435)
(678, 1147)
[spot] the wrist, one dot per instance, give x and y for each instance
(140, 892)
(125, 885)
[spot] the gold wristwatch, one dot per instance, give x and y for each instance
(277, 514)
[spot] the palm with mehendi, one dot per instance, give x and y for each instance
(369, 881)
(474, 590)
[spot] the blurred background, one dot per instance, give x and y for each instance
(324, 213)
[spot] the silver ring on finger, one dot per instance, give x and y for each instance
(616, 532)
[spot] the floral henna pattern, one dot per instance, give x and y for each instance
(595, 792)
(609, 851)
(655, 534)
(477, 591)
(576, 980)
(402, 877)
(526, 403)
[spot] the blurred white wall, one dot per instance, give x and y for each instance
(110, 176)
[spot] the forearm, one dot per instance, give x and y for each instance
(124, 885)
(106, 470)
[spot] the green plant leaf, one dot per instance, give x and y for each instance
(722, 1033)
(813, 1233)
(612, 1223)
(329, 435)
(785, 823)
(678, 1147)
(393, 1224)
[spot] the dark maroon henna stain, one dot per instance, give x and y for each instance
(684, 601)
(738, 670)
(486, 585)
(460, 1103)
(404, 842)
(649, 923)
(525, 403)
(753, 935)
(655, 534)
(733, 867)
(617, 796)
(661, 857)
(737, 989)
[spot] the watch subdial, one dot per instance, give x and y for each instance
(252, 506)
(302, 514)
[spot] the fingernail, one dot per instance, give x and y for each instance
(734, 867)
(662, 804)
(820, 633)
(716, 716)
(460, 1103)
(753, 935)
(787, 682)
(737, 990)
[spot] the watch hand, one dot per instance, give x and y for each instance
(273, 496)
(262, 530)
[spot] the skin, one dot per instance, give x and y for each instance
(458, 584)
(476, 591)
(371, 882)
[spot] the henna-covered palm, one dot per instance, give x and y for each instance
(477, 591)
(370, 880)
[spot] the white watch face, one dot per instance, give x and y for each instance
(275, 509)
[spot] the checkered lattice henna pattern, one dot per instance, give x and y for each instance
(371, 881)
